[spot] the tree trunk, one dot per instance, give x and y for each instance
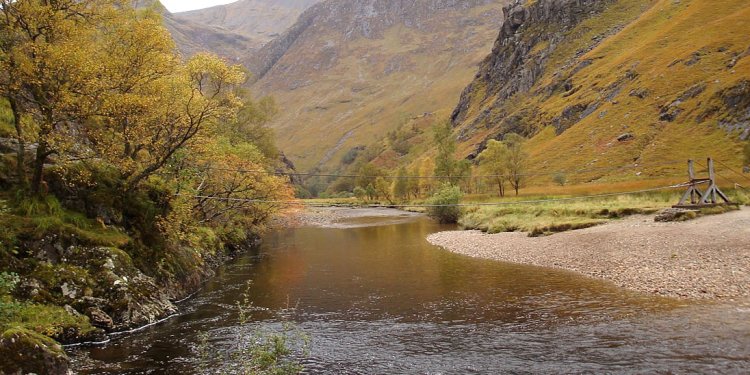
(501, 188)
(21, 153)
(42, 152)
(41, 158)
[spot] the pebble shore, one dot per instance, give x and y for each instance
(707, 258)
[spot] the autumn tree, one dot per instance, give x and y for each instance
(516, 160)
(232, 191)
(383, 189)
(493, 162)
(250, 125)
(46, 51)
(367, 173)
(463, 173)
(413, 185)
(401, 185)
(445, 144)
(149, 104)
(426, 170)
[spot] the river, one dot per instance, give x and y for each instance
(375, 297)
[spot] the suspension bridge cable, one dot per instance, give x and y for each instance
(736, 185)
(743, 175)
(488, 204)
(391, 177)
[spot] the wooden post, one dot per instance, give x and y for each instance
(693, 192)
(698, 198)
(691, 176)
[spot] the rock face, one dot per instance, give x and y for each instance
(351, 69)
(517, 63)
(98, 282)
(513, 67)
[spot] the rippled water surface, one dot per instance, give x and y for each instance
(380, 299)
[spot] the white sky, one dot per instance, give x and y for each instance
(175, 6)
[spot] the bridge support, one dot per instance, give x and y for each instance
(698, 198)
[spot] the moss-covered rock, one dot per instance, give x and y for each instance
(23, 352)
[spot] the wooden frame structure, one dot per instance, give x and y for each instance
(698, 198)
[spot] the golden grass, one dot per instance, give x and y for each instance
(558, 216)
(656, 33)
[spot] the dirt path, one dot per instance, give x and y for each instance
(707, 258)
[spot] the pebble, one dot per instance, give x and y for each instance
(706, 258)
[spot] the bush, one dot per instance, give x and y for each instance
(360, 193)
(444, 204)
(351, 155)
(560, 179)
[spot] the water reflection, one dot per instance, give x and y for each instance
(380, 299)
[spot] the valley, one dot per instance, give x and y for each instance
(374, 186)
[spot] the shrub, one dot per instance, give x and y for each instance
(360, 193)
(560, 179)
(444, 203)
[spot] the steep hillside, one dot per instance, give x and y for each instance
(192, 37)
(349, 71)
(602, 83)
(259, 20)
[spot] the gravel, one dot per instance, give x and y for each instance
(342, 217)
(707, 258)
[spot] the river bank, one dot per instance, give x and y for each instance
(342, 217)
(707, 258)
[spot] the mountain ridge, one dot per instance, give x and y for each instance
(354, 69)
(597, 85)
(259, 20)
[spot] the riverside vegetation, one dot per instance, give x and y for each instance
(119, 173)
(446, 188)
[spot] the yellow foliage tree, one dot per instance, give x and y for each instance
(45, 47)
(493, 162)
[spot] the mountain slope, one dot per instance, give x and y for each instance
(606, 83)
(259, 20)
(193, 37)
(349, 71)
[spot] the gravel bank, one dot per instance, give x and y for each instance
(343, 217)
(707, 258)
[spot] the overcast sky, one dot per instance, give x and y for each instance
(175, 6)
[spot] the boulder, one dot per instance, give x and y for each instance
(675, 214)
(100, 319)
(625, 137)
(27, 352)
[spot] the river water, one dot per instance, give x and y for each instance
(374, 297)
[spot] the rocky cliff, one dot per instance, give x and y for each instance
(353, 70)
(613, 82)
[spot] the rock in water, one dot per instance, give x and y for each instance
(100, 319)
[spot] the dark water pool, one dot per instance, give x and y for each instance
(378, 299)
